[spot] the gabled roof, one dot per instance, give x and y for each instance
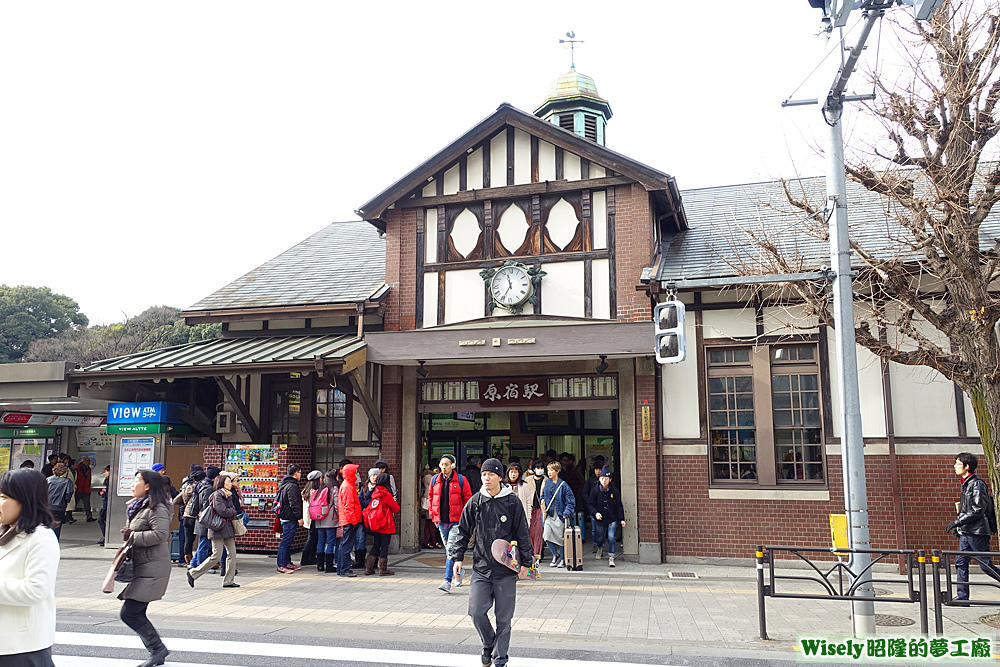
(651, 179)
(717, 242)
(342, 263)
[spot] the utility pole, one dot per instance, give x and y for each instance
(851, 435)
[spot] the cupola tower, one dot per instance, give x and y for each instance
(574, 104)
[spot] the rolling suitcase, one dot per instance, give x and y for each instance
(573, 548)
(175, 545)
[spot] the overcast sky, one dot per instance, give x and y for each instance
(151, 152)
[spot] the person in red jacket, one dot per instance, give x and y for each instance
(379, 521)
(349, 511)
(449, 493)
(83, 473)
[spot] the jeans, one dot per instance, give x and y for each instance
(59, 516)
(360, 542)
(556, 549)
(606, 531)
(973, 543)
(285, 548)
(327, 541)
(204, 549)
(345, 547)
(449, 535)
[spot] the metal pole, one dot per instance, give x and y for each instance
(936, 579)
(852, 442)
(761, 618)
(922, 587)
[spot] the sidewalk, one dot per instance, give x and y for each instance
(637, 605)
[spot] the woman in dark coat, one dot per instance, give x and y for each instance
(148, 530)
(223, 503)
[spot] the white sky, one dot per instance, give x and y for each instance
(151, 152)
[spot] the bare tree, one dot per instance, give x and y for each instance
(930, 279)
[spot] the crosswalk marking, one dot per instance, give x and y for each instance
(299, 651)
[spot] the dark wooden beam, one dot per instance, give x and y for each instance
(510, 156)
(588, 288)
(534, 159)
(486, 165)
(463, 173)
(514, 191)
(440, 303)
(559, 163)
(612, 269)
(421, 256)
(229, 391)
(361, 393)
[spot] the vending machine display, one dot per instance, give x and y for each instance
(257, 467)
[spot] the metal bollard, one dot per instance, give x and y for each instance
(761, 617)
(936, 578)
(922, 587)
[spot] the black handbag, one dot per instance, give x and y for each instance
(210, 519)
(126, 569)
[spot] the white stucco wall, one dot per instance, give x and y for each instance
(562, 289)
(601, 289)
(681, 402)
(464, 296)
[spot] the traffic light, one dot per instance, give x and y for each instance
(668, 329)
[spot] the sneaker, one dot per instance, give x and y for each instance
(611, 560)
(446, 587)
(293, 567)
(555, 561)
(234, 585)
(599, 552)
(285, 570)
(561, 563)
(100, 543)
(346, 573)
(190, 579)
(487, 658)
(91, 520)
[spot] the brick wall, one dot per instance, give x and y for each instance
(696, 525)
(632, 251)
(647, 482)
(401, 269)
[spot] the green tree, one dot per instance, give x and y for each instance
(153, 328)
(28, 314)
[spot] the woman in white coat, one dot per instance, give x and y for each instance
(29, 559)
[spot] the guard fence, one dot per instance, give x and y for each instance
(836, 579)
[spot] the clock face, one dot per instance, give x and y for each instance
(511, 286)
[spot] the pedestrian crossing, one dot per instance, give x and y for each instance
(241, 651)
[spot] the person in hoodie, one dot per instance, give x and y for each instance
(349, 512)
(381, 524)
(608, 514)
(290, 498)
(495, 513)
(203, 492)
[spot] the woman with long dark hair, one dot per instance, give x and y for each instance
(148, 529)
(29, 559)
(324, 497)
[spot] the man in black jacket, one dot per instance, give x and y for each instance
(495, 513)
(975, 522)
(608, 513)
(290, 498)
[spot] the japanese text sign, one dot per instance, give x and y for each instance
(513, 391)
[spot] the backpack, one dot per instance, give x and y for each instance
(991, 511)
(461, 479)
(375, 516)
(278, 505)
(319, 506)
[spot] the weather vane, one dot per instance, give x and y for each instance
(572, 44)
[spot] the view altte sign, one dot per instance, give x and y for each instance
(513, 391)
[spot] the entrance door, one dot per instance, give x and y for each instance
(469, 448)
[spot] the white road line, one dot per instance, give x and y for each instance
(77, 661)
(299, 651)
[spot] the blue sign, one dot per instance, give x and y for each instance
(145, 413)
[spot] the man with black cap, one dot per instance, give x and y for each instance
(495, 513)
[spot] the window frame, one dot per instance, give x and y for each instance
(760, 368)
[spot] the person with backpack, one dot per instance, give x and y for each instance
(60, 493)
(975, 523)
(203, 491)
(495, 513)
(608, 514)
(450, 491)
(223, 505)
(323, 514)
(365, 497)
(190, 514)
(349, 513)
(311, 555)
(288, 507)
(381, 524)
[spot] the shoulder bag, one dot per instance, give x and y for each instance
(238, 527)
(210, 519)
(124, 553)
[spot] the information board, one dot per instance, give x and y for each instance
(135, 454)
